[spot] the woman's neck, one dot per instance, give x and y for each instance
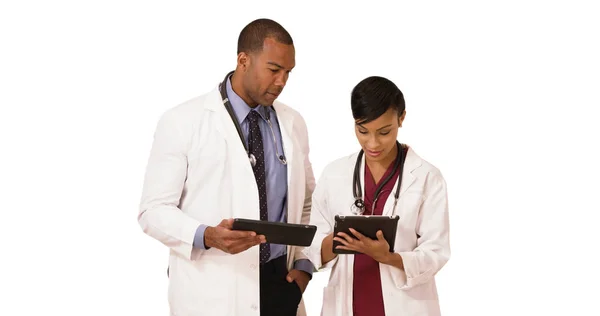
(378, 168)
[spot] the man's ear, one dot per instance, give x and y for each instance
(243, 61)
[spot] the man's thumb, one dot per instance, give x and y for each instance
(227, 223)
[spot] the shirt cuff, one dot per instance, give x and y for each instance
(199, 238)
(304, 265)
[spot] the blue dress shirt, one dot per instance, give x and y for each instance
(276, 172)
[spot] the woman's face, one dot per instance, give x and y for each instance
(378, 137)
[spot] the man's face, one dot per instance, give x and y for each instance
(267, 71)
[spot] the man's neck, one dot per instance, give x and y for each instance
(237, 86)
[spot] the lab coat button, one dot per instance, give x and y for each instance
(254, 307)
(253, 266)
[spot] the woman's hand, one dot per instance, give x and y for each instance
(378, 249)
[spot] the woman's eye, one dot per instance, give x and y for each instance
(363, 132)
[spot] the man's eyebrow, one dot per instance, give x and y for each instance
(278, 65)
(274, 64)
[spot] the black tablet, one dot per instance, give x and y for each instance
(367, 225)
(278, 233)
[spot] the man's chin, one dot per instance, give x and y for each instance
(269, 99)
(267, 102)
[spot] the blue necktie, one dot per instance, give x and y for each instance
(255, 143)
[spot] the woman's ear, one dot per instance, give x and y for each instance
(401, 118)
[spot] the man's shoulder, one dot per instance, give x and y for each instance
(288, 113)
(288, 110)
(190, 109)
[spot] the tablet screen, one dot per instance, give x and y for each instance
(367, 225)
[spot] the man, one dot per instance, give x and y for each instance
(234, 152)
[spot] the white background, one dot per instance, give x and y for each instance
(501, 96)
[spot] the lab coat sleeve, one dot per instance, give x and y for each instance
(433, 247)
(159, 215)
(323, 220)
(309, 182)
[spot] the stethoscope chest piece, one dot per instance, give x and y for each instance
(358, 207)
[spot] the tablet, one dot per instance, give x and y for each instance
(367, 225)
(278, 233)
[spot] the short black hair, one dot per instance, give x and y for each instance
(253, 35)
(373, 96)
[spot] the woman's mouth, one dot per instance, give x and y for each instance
(374, 153)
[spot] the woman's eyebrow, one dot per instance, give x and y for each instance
(384, 127)
(359, 125)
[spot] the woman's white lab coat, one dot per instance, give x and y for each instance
(423, 211)
(199, 172)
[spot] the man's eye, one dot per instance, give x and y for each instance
(384, 133)
(363, 132)
(274, 70)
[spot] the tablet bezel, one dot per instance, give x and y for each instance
(367, 225)
(278, 233)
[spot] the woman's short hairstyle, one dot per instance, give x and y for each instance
(374, 96)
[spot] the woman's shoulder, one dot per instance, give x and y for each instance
(419, 165)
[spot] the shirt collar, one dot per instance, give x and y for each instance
(240, 107)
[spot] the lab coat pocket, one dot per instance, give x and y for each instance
(332, 302)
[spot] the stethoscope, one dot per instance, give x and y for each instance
(251, 157)
(358, 207)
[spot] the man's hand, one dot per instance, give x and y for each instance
(300, 277)
(230, 241)
(378, 249)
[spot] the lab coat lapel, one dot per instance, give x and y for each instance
(363, 164)
(286, 125)
(227, 128)
(410, 164)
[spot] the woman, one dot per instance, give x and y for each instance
(375, 281)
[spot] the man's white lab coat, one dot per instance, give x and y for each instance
(199, 173)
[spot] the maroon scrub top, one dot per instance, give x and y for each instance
(367, 294)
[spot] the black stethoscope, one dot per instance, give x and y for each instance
(251, 157)
(358, 207)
